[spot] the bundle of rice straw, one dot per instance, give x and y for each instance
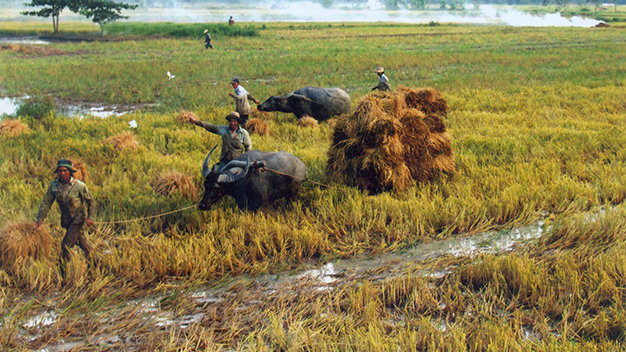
(427, 100)
(391, 140)
(122, 141)
(12, 128)
(81, 171)
(257, 126)
(261, 114)
(308, 121)
(21, 241)
(173, 182)
(185, 116)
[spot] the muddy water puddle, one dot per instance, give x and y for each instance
(181, 310)
(10, 105)
(23, 40)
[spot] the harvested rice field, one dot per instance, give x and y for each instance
(478, 206)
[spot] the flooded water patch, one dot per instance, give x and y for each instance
(10, 105)
(23, 41)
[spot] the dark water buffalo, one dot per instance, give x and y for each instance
(319, 103)
(245, 180)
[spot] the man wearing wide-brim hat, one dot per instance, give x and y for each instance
(383, 81)
(235, 139)
(73, 197)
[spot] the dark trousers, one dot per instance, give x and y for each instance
(73, 235)
(244, 119)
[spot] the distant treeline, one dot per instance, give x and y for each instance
(180, 30)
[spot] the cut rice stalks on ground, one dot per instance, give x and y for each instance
(308, 121)
(185, 116)
(21, 241)
(12, 128)
(122, 141)
(391, 141)
(258, 126)
(174, 182)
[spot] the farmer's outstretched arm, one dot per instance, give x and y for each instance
(207, 126)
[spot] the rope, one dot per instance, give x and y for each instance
(195, 205)
(303, 179)
(145, 217)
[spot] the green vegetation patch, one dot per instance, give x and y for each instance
(180, 30)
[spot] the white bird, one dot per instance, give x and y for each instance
(170, 76)
(133, 124)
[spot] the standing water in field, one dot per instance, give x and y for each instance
(9, 106)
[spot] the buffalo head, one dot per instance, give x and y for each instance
(218, 182)
(283, 103)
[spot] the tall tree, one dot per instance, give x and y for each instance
(51, 8)
(103, 11)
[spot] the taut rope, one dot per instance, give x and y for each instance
(145, 217)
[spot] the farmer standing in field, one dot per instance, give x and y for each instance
(383, 81)
(72, 196)
(241, 97)
(235, 139)
(207, 39)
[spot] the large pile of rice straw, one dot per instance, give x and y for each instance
(391, 141)
(21, 241)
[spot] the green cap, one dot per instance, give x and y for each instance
(66, 163)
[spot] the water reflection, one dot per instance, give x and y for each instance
(23, 40)
(9, 106)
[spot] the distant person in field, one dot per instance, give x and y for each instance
(72, 197)
(383, 81)
(235, 139)
(231, 21)
(241, 97)
(207, 39)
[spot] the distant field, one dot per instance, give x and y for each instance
(538, 124)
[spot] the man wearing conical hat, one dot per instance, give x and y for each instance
(383, 81)
(207, 39)
(72, 197)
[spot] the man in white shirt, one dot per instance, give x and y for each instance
(241, 97)
(383, 81)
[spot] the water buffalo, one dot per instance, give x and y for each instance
(245, 179)
(319, 103)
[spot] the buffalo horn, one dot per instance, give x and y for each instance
(205, 166)
(227, 177)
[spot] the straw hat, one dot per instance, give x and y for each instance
(379, 69)
(206, 31)
(234, 116)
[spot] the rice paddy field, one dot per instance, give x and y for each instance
(521, 248)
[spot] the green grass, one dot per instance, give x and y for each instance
(537, 120)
